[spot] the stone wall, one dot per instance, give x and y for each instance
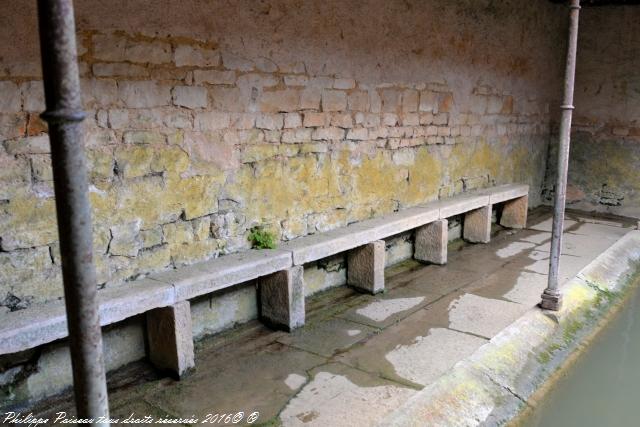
(604, 173)
(208, 118)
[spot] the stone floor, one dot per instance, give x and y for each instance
(360, 356)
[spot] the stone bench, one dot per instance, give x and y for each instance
(164, 297)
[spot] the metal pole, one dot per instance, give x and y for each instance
(551, 297)
(64, 115)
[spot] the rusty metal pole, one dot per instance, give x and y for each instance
(551, 297)
(64, 115)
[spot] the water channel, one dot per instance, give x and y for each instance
(603, 388)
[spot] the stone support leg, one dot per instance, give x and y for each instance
(514, 213)
(171, 339)
(477, 225)
(431, 242)
(282, 298)
(365, 267)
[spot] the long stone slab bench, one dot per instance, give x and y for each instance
(164, 297)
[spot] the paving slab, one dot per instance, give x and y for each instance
(389, 308)
(340, 396)
(582, 245)
(441, 279)
(482, 316)
(382, 354)
(611, 232)
(546, 224)
(326, 338)
(534, 236)
(233, 381)
(522, 287)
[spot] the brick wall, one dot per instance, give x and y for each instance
(198, 130)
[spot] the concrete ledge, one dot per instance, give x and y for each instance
(502, 193)
(42, 324)
(492, 386)
(219, 273)
(462, 204)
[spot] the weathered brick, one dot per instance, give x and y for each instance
(341, 120)
(296, 80)
(478, 104)
(426, 118)
(358, 101)
(272, 136)
(358, 134)
(226, 98)
(255, 153)
(214, 77)
(243, 120)
(310, 98)
(41, 167)
(428, 101)
(375, 102)
(390, 100)
(286, 100)
(368, 119)
(211, 120)
(144, 94)
(316, 119)
(334, 100)
(444, 131)
(441, 119)
(29, 145)
(119, 69)
(507, 105)
(13, 170)
(389, 119)
(494, 104)
(108, 47)
(328, 134)
(344, 84)
(292, 120)
(266, 65)
(12, 125)
(125, 239)
(178, 119)
(445, 102)
(143, 137)
(33, 95)
(190, 96)
(186, 55)
(10, 97)
(151, 237)
(409, 101)
(134, 160)
(112, 47)
(294, 136)
(410, 119)
(269, 121)
(236, 62)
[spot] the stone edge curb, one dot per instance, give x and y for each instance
(492, 386)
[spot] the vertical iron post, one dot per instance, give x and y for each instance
(64, 115)
(551, 297)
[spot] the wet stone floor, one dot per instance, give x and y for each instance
(361, 356)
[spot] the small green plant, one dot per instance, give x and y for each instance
(261, 238)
